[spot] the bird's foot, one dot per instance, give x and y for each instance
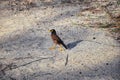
(51, 48)
(61, 49)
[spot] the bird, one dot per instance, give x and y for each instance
(57, 41)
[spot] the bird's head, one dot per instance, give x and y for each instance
(52, 31)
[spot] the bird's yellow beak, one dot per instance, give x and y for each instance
(49, 30)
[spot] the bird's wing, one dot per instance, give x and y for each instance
(60, 41)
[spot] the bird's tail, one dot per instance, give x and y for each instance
(64, 46)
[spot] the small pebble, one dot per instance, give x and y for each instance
(94, 38)
(107, 64)
(80, 72)
(61, 14)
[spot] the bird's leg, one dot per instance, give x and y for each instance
(53, 47)
(61, 48)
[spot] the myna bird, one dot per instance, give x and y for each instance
(56, 40)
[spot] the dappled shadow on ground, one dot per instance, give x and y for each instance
(25, 40)
(105, 70)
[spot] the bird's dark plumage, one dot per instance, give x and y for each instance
(56, 39)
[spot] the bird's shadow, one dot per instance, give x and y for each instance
(73, 44)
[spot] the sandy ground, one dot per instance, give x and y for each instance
(93, 54)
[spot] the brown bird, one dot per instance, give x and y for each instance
(56, 40)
